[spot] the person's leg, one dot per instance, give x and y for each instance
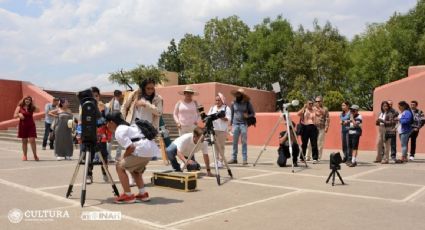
(304, 140)
(308, 155)
(46, 134)
(413, 137)
(404, 139)
(321, 142)
(122, 176)
(33, 147)
(380, 144)
(295, 153)
(25, 146)
(103, 148)
(387, 150)
(344, 143)
(236, 134)
(172, 157)
(355, 146)
(394, 147)
(244, 140)
(313, 141)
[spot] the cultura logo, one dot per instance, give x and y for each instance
(15, 216)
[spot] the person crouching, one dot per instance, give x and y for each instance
(138, 152)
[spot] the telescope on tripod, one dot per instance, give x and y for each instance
(289, 127)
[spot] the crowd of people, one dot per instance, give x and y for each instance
(118, 121)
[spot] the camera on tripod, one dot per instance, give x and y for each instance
(208, 119)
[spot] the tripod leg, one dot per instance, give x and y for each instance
(86, 169)
(288, 120)
(268, 139)
(333, 177)
(77, 168)
(340, 178)
(200, 141)
(227, 165)
(105, 167)
(329, 177)
(217, 175)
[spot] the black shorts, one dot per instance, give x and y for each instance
(353, 141)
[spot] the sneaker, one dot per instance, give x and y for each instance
(219, 164)
(295, 164)
(125, 199)
(308, 159)
(89, 180)
(245, 162)
(384, 162)
(43, 148)
(60, 158)
(404, 159)
(315, 162)
(393, 161)
(353, 164)
(142, 197)
(24, 158)
(68, 158)
(233, 161)
(411, 158)
(105, 178)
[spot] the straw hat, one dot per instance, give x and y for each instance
(188, 89)
(241, 91)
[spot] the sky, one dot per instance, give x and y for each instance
(71, 45)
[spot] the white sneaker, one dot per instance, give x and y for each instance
(315, 162)
(219, 164)
(60, 158)
(68, 158)
(411, 158)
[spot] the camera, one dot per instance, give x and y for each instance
(89, 115)
(211, 117)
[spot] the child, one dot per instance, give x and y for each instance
(138, 152)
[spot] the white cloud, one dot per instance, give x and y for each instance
(88, 38)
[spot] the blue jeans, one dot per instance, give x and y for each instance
(47, 130)
(172, 157)
(345, 146)
(239, 130)
(404, 139)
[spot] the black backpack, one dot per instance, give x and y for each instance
(147, 129)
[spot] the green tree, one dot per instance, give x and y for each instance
(137, 75)
(333, 100)
(194, 57)
(266, 51)
(170, 60)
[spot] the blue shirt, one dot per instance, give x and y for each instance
(47, 118)
(345, 117)
(406, 122)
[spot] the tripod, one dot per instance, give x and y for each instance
(289, 127)
(209, 136)
(334, 171)
(90, 148)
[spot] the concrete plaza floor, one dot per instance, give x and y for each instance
(263, 197)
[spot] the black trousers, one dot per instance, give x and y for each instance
(47, 130)
(310, 132)
(413, 137)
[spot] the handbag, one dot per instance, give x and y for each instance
(300, 126)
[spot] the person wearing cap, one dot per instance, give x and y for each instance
(354, 133)
(185, 112)
(143, 104)
(48, 120)
(220, 126)
(138, 152)
(241, 110)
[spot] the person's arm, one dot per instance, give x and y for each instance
(54, 113)
(327, 120)
(405, 118)
(47, 108)
(283, 139)
(176, 114)
(228, 114)
(156, 108)
(129, 150)
(301, 112)
(17, 114)
(251, 112)
(127, 103)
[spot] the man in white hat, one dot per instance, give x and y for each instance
(241, 112)
(185, 112)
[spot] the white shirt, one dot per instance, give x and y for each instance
(116, 106)
(144, 147)
(185, 145)
(142, 113)
(219, 124)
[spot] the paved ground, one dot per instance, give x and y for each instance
(262, 197)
